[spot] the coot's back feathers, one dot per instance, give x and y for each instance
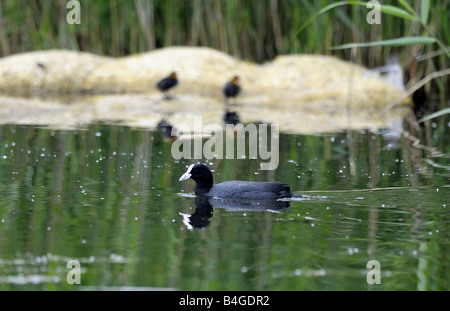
(250, 190)
(235, 189)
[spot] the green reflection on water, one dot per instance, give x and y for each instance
(109, 197)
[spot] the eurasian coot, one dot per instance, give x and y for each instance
(231, 88)
(167, 83)
(239, 190)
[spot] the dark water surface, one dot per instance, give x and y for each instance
(109, 197)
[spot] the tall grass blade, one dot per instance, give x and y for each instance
(391, 42)
(327, 8)
(424, 11)
(408, 7)
(394, 11)
(417, 86)
(387, 9)
(436, 114)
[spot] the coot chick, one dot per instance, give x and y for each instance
(232, 88)
(167, 83)
(235, 189)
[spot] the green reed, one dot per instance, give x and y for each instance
(247, 29)
(253, 30)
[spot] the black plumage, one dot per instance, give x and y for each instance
(235, 189)
(167, 83)
(232, 88)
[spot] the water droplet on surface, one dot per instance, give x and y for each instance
(244, 269)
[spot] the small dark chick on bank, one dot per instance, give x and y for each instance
(166, 84)
(231, 89)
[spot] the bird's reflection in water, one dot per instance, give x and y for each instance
(166, 130)
(204, 209)
(200, 218)
(231, 117)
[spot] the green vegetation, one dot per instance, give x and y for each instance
(405, 12)
(106, 194)
(250, 30)
(254, 30)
